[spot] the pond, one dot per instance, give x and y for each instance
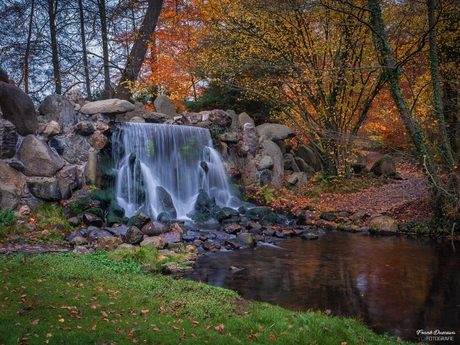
(396, 284)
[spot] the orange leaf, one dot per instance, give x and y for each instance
(219, 328)
(104, 313)
(94, 327)
(272, 337)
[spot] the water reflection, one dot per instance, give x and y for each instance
(394, 284)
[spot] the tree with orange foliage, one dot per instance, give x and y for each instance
(170, 68)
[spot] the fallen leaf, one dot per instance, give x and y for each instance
(104, 313)
(94, 327)
(219, 328)
(49, 335)
(175, 328)
(144, 311)
(61, 319)
(272, 337)
(34, 322)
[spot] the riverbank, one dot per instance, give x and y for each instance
(62, 298)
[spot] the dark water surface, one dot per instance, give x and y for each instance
(396, 285)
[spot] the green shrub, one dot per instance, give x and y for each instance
(7, 216)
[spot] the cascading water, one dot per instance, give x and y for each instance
(163, 167)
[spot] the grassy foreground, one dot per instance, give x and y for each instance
(67, 299)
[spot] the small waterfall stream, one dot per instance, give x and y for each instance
(163, 167)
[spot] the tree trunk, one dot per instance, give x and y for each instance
(85, 55)
(27, 53)
(54, 49)
(391, 74)
(136, 57)
(105, 48)
(437, 100)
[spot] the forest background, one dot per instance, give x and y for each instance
(346, 75)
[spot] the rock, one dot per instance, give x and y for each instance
(250, 138)
(309, 236)
(165, 106)
(93, 170)
(384, 166)
(85, 128)
(329, 216)
(52, 128)
(134, 235)
(170, 267)
(8, 139)
(59, 109)
(203, 201)
(142, 113)
(245, 238)
(274, 131)
(107, 106)
(81, 250)
(383, 224)
(289, 163)
(244, 118)
(265, 163)
(154, 228)
(94, 233)
(78, 240)
(92, 220)
(154, 241)
(178, 227)
(108, 243)
(126, 246)
(172, 237)
(75, 96)
(76, 148)
(70, 179)
(98, 140)
(272, 150)
(220, 117)
(137, 119)
(306, 153)
(230, 137)
(12, 184)
(191, 118)
(74, 221)
(140, 219)
(119, 231)
(153, 117)
(58, 144)
(18, 108)
(297, 179)
(38, 158)
(165, 201)
(46, 188)
(304, 167)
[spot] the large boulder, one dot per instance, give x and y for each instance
(383, 224)
(11, 186)
(108, 107)
(38, 158)
(76, 148)
(8, 139)
(274, 131)
(70, 179)
(250, 138)
(18, 108)
(141, 112)
(58, 108)
(244, 118)
(306, 153)
(269, 148)
(166, 202)
(165, 106)
(220, 117)
(384, 166)
(46, 188)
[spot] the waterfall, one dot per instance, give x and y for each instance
(163, 167)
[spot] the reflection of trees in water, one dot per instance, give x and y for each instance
(393, 284)
(441, 307)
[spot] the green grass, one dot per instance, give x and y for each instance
(67, 299)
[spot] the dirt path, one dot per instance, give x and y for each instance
(404, 199)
